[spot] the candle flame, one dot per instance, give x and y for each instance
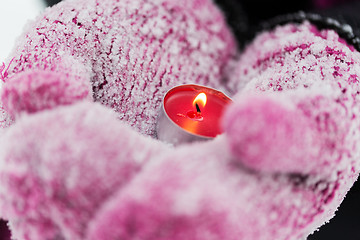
(200, 98)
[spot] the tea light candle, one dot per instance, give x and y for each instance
(191, 112)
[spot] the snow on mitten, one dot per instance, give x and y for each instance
(296, 108)
(127, 53)
(289, 154)
(54, 178)
(63, 159)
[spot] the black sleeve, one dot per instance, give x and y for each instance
(51, 2)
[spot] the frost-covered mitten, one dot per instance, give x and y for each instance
(289, 154)
(5, 119)
(297, 111)
(123, 54)
(312, 79)
(86, 175)
(55, 178)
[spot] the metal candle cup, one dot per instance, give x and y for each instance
(191, 113)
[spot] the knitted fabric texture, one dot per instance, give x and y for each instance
(78, 157)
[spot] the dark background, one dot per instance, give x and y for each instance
(244, 16)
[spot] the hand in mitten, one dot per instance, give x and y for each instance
(305, 83)
(123, 54)
(287, 157)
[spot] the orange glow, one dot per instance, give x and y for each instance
(200, 98)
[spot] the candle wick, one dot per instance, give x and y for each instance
(197, 108)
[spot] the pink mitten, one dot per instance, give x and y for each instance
(289, 154)
(129, 52)
(73, 169)
(123, 54)
(54, 178)
(306, 84)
